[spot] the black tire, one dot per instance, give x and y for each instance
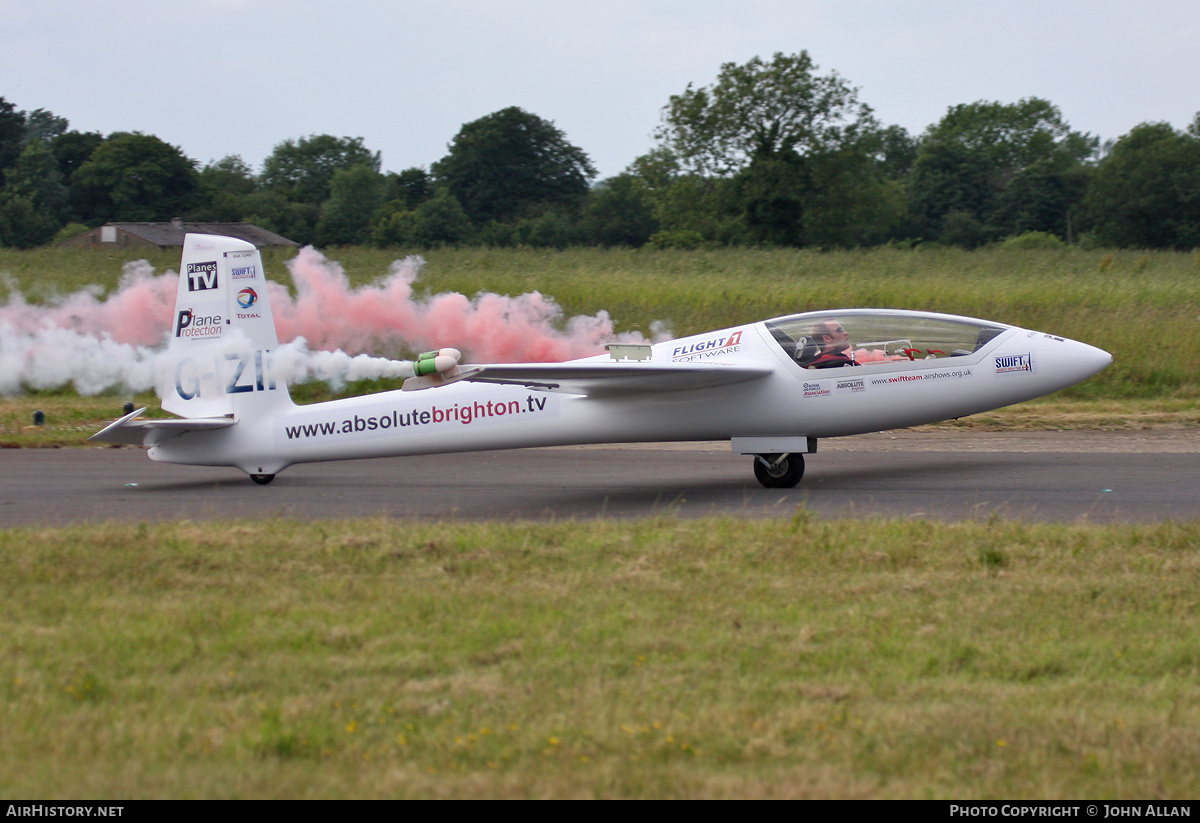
(262, 479)
(785, 474)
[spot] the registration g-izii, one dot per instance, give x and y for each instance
(772, 389)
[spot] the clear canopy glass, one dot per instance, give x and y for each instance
(859, 337)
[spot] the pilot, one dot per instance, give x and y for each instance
(834, 343)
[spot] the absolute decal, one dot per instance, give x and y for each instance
(1014, 363)
(852, 386)
(713, 347)
(379, 420)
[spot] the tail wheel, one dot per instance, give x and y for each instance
(262, 479)
(779, 471)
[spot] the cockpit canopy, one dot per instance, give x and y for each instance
(859, 337)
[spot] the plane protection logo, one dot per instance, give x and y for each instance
(713, 347)
(247, 298)
(202, 276)
(1014, 363)
(199, 324)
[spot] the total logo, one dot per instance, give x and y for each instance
(245, 299)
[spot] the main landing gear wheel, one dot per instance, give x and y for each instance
(262, 479)
(779, 471)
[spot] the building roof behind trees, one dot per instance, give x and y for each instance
(169, 235)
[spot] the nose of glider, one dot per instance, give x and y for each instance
(1084, 361)
(1093, 359)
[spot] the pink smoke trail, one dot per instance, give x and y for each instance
(488, 328)
(117, 339)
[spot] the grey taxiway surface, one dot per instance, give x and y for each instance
(1094, 476)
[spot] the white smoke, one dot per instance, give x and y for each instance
(94, 344)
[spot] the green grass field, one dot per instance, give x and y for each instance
(661, 658)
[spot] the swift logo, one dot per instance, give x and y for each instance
(202, 276)
(1012, 363)
(243, 272)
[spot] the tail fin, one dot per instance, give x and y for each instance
(222, 333)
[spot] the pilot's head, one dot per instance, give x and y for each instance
(830, 335)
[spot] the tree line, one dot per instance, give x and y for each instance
(772, 153)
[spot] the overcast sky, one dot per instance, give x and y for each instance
(219, 77)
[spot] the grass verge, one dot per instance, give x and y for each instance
(714, 658)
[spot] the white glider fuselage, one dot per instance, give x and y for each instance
(785, 400)
(772, 388)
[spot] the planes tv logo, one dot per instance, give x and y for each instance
(202, 276)
(247, 298)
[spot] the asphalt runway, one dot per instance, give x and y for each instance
(1044, 476)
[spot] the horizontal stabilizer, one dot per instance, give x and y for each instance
(134, 432)
(604, 378)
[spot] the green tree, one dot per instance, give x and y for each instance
(439, 221)
(12, 135)
(967, 160)
(23, 225)
(303, 169)
(225, 185)
(1146, 192)
(134, 176)
(949, 178)
(849, 200)
(44, 125)
(354, 196)
(411, 187)
(806, 159)
(1045, 197)
(33, 201)
(74, 148)
(897, 152)
(1011, 136)
(773, 192)
(762, 110)
(272, 210)
(619, 212)
(504, 164)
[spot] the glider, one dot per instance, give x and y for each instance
(773, 389)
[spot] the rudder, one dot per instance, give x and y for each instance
(223, 337)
